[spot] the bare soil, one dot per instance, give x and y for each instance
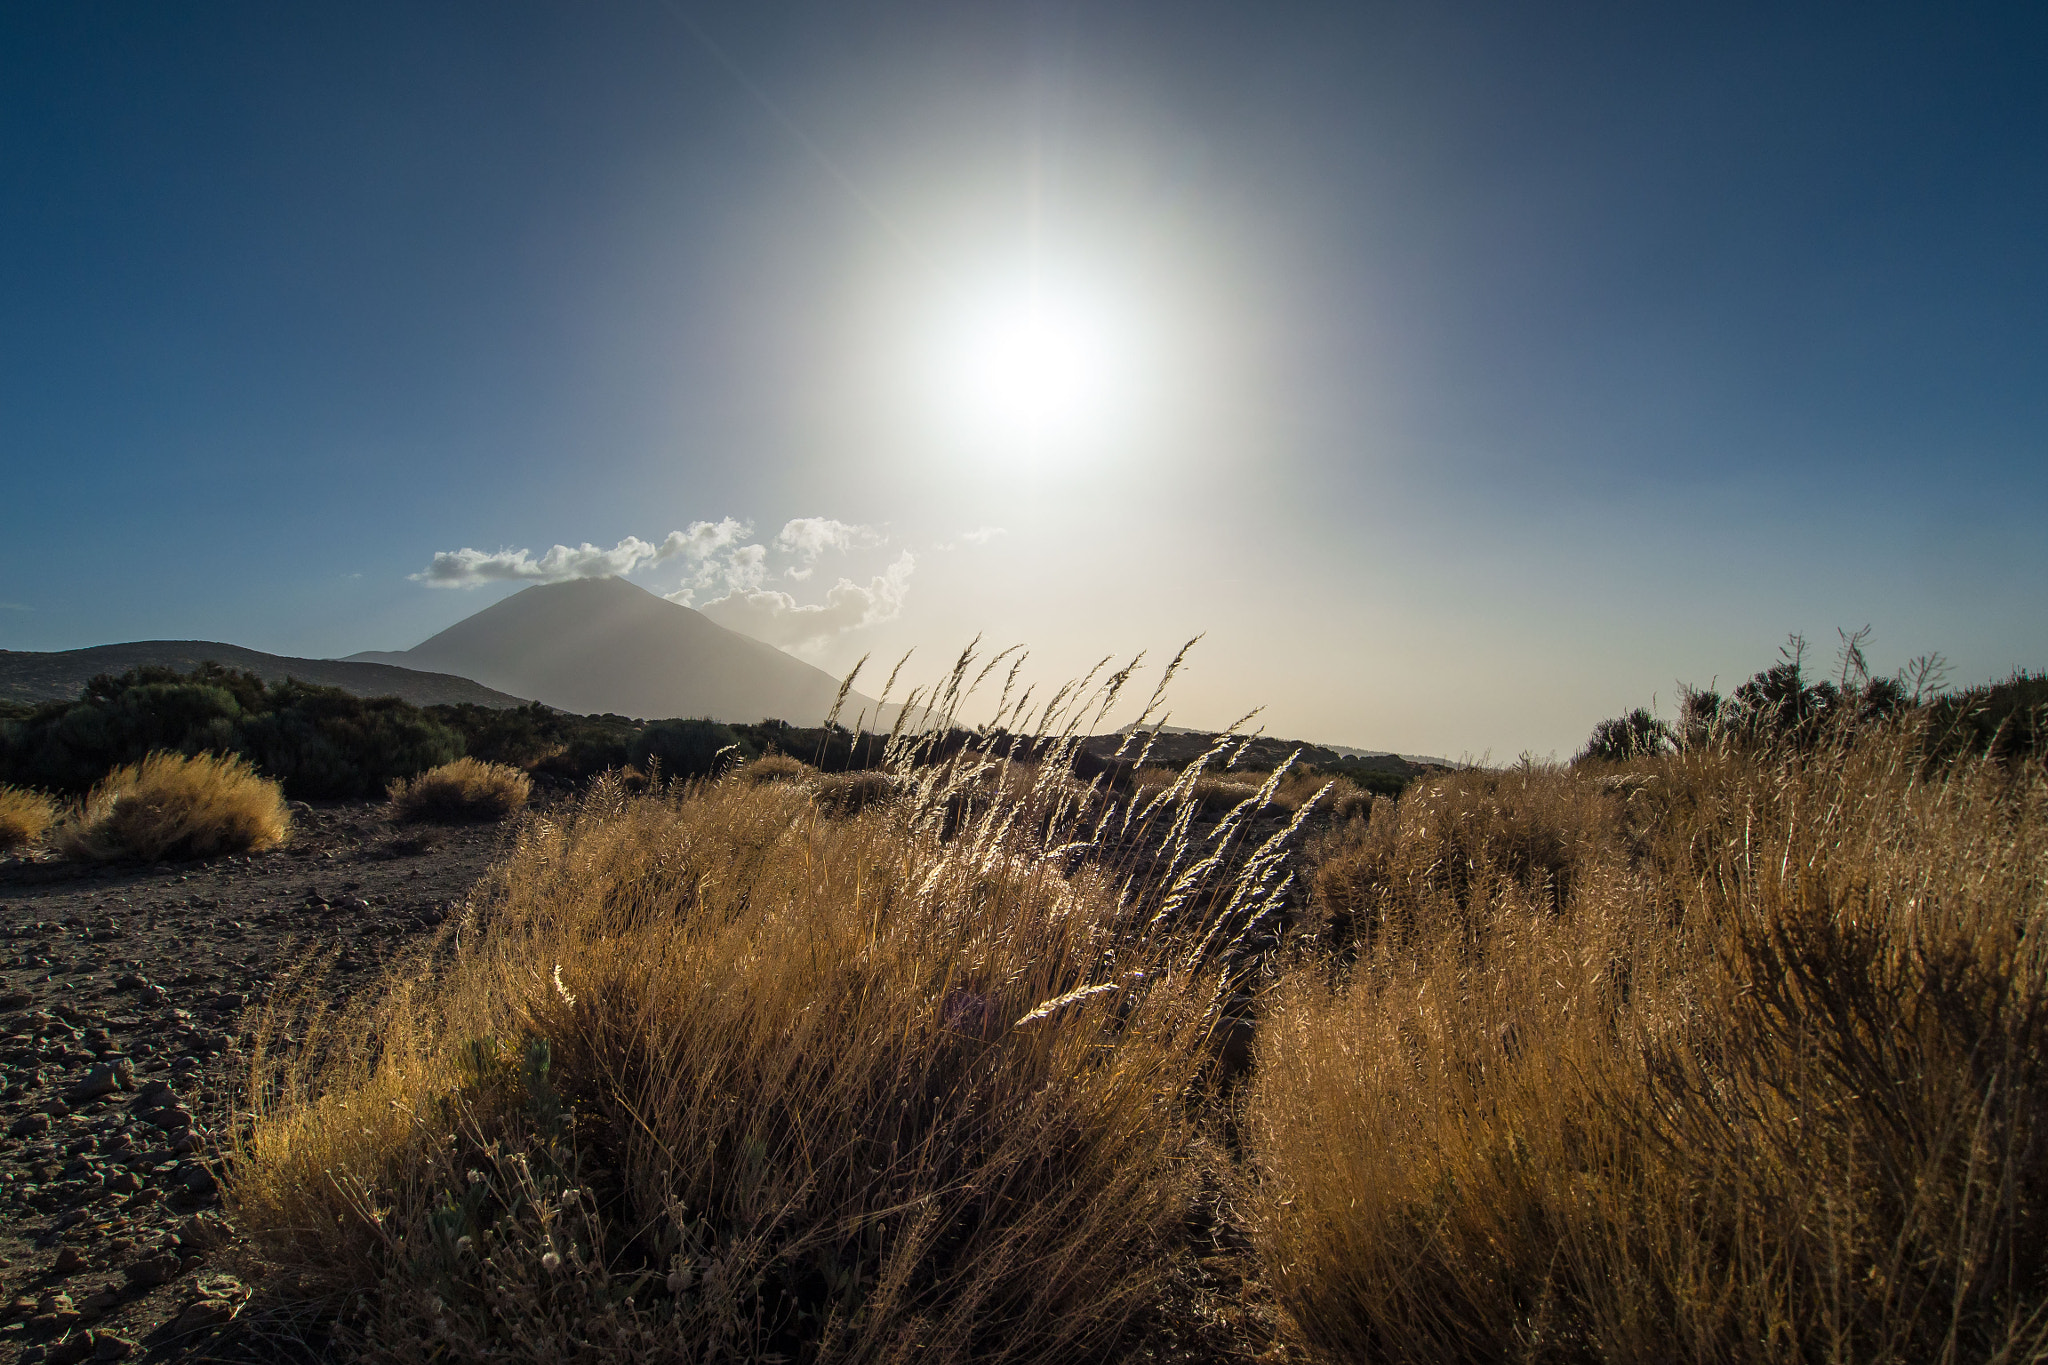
(140, 976)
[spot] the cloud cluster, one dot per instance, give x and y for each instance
(779, 619)
(467, 568)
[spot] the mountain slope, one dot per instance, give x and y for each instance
(602, 644)
(28, 676)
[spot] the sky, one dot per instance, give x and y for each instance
(1467, 373)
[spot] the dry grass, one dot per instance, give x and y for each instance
(172, 807)
(843, 794)
(25, 816)
(467, 790)
(714, 1074)
(1739, 1058)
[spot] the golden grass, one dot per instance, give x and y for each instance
(714, 1073)
(170, 806)
(774, 768)
(465, 790)
(25, 816)
(1736, 1058)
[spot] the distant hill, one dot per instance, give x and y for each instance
(1181, 744)
(604, 645)
(27, 676)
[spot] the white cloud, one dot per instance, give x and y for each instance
(466, 568)
(742, 568)
(777, 618)
(980, 536)
(810, 537)
(704, 539)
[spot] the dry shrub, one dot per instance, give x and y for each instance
(1466, 840)
(1741, 1059)
(170, 806)
(24, 817)
(774, 768)
(841, 794)
(459, 792)
(706, 1075)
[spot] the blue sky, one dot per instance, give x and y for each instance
(1473, 372)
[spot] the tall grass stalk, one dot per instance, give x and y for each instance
(724, 1072)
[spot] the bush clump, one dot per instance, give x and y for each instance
(461, 792)
(720, 1074)
(175, 807)
(775, 768)
(24, 817)
(688, 749)
(1737, 1054)
(842, 794)
(320, 742)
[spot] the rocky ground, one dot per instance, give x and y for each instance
(122, 996)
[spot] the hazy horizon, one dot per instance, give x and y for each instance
(1467, 374)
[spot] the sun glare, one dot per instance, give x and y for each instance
(1038, 364)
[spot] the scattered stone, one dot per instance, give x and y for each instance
(107, 1346)
(206, 1313)
(170, 1118)
(153, 1095)
(102, 1081)
(71, 1350)
(151, 1271)
(99, 1302)
(29, 1125)
(15, 1000)
(68, 1260)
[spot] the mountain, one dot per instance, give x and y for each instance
(605, 645)
(27, 676)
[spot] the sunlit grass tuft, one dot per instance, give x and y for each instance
(170, 806)
(460, 792)
(24, 818)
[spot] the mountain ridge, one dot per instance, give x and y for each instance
(29, 676)
(595, 645)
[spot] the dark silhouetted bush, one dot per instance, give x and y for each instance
(689, 748)
(1635, 735)
(320, 742)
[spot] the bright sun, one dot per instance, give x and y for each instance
(1037, 364)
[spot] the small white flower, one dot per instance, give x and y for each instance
(562, 990)
(551, 1263)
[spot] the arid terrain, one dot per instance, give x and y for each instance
(128, 992)
(133, 981)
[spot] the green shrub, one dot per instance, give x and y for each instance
(320, 742)
(688, 748)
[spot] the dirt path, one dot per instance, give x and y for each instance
(121, 991)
